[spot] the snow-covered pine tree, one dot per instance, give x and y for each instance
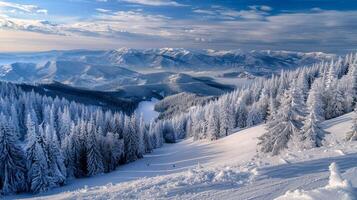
(37, 160)
(226, 118)
(303, 83)
(316, 100)
(334, 100)
(285, 125)
(347, 92)
(12, 160)
(106, 148)
(352, 74)
(352, 135)
(213, 124)
(81, 152)
(64, 123)
(255, 115)
(158, 130)
(57, 169)
(94, 157)
(331, 75)
(136, 135)
(68, 154)
(131, 146)
(142, 133)
(241, 114)
(272, 108)
(312, 132)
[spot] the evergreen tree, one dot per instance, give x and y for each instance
(352, 135)
(255, 115)
(37, 160)
(213, 125)
(226, 119)
(12, 166)
(94, 157)
(334, 105)
(65, 123)
(312, 132)
(129, 140)
(315, 99)
(57, 170)
(68, 154)
(285, 125)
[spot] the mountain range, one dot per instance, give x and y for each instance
(177, 58)
(142, 73)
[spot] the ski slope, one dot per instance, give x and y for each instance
(225, 169)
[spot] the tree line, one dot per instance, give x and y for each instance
(46, 141)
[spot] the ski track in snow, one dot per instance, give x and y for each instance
(230, 169)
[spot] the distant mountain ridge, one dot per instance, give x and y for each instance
(180, 59)
(168, 58)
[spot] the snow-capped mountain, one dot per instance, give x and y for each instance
(178, 58)
(68, 72)
(169, 58)
(114, 69)
(110, 78)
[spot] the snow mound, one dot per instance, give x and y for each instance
(169, 186)
(337, 188)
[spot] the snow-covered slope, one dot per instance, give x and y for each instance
(225, 169)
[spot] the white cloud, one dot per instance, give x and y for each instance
(154, 2)
(220, 12)
(202, 11)
(101, 10)
(266, 8)
(261, 7)
(22, 7)
(42, 11)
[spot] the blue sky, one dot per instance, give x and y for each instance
(299, 25)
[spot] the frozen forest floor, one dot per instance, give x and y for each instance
(225, 169)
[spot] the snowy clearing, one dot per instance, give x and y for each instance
(147, 109)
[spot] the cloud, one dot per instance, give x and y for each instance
(261, 7)
(42, 11)
(220, 12)
(22, 7)
(154, 2)
(252, 28)
(101, 10)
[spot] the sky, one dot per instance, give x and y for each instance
(295, 25)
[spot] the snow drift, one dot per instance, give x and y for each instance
(337, 188)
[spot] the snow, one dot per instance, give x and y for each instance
(337, 188)
(147, 109)
(228, 168)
